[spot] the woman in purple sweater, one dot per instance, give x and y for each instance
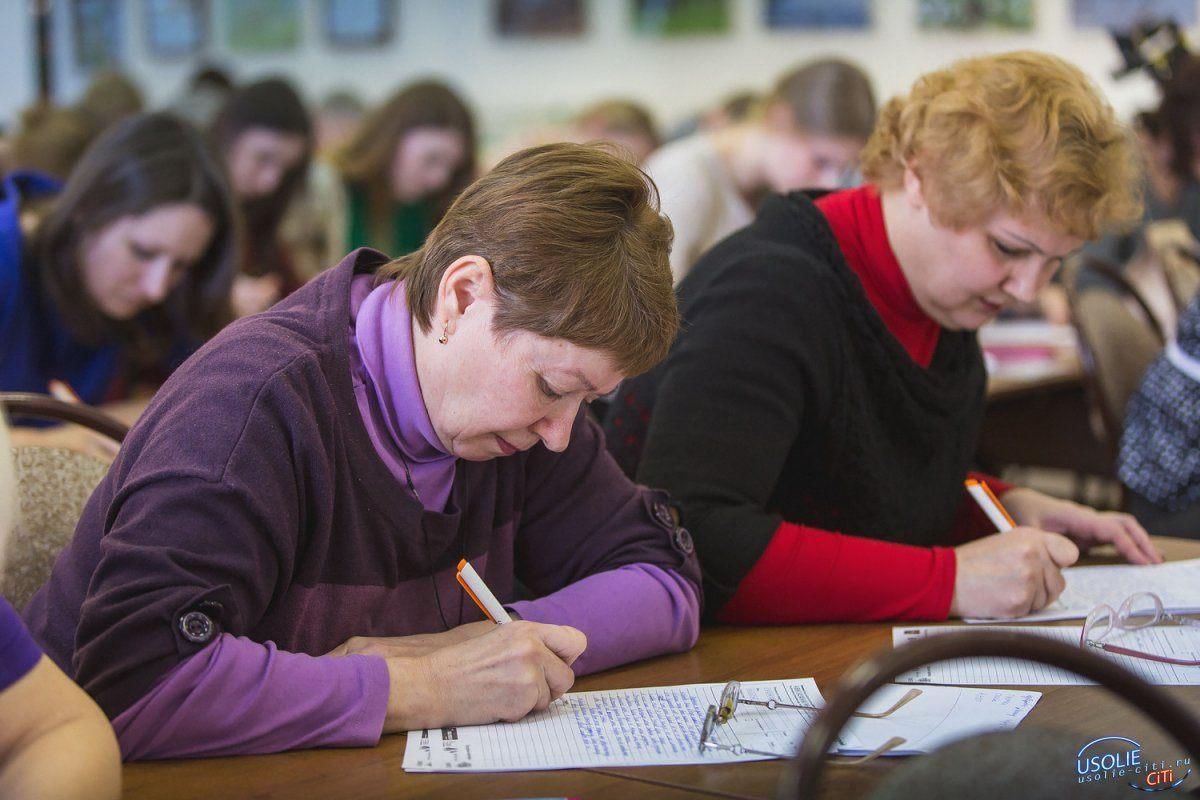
(270, 562)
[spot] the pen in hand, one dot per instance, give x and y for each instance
(991, 505)
(478, 591)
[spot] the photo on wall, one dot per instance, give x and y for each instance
(1124, 15)
(176, 28)
(681, 17)
(96, 32)
(359, 23)
(851, 14)
(520, 19)
(262, 26)
(970, 15)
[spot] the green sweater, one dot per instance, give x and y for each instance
(408, 225)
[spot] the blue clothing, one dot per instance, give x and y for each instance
(35, 344)
(18, 651)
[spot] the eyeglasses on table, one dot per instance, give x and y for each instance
(731, 698)
(1140, 610)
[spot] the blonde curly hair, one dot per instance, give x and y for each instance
(1021, 133)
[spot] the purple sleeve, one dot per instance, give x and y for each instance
(237, 697)
(18, 652)
(628, 613)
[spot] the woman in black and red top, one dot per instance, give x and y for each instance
(818, 414)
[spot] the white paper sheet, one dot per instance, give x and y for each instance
(1177, 583)
(1166, 640)
(942, 714)
(638, 727)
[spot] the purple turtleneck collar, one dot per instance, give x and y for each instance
(384, 374)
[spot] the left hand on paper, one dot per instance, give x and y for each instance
(1085, 526)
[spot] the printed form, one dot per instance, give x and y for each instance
(1177, 583)
(661, 726)
(1181, 642)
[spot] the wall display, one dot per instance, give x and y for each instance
(176, 28)
(96, 32)
(965, 15)
(540, 18)
(1123, 15)
(359, 23)
(818, 13)
(680, 17)
(262, 26)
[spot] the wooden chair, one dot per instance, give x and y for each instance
(53, 485)
(1177, 254)
(1119, 336)
(928, 776)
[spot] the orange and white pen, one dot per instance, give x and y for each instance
(991, 505)
(478, 591)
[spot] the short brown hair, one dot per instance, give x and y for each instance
(1015, 132)
(577, 247)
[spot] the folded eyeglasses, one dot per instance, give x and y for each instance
(731, 698)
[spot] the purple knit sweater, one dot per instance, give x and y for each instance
(252, 523)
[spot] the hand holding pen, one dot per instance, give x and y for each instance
(1011, 573)
(477, 673)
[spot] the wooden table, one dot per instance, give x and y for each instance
(823, 652)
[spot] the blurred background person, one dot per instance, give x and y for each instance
(628, 125)
(1159, 460)
(400, 171)
(307, 227)
(127, 269)
(734, 108)
(110, 97)
(264, 136)
(207, 91)
(50, 139)
(807, 136)
(1168, 137)
(337, 118)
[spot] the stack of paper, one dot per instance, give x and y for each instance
(637, 727)
(1164, 640)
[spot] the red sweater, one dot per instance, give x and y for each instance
(813, 575)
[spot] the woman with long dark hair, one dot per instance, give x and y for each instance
(401, 170)
(128, 267)
(264, 136)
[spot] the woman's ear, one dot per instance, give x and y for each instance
(464, 284)
(914, 190)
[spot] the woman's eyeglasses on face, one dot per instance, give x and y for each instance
(1140, 610)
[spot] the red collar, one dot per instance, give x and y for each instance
(856, 217)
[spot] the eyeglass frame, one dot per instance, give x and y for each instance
(718, 715)
(1119, 620)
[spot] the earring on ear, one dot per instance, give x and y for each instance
(444, 337)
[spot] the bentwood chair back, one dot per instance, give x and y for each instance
(53, 485)
(993, 765)
(1177, 253)
(1119, 337)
